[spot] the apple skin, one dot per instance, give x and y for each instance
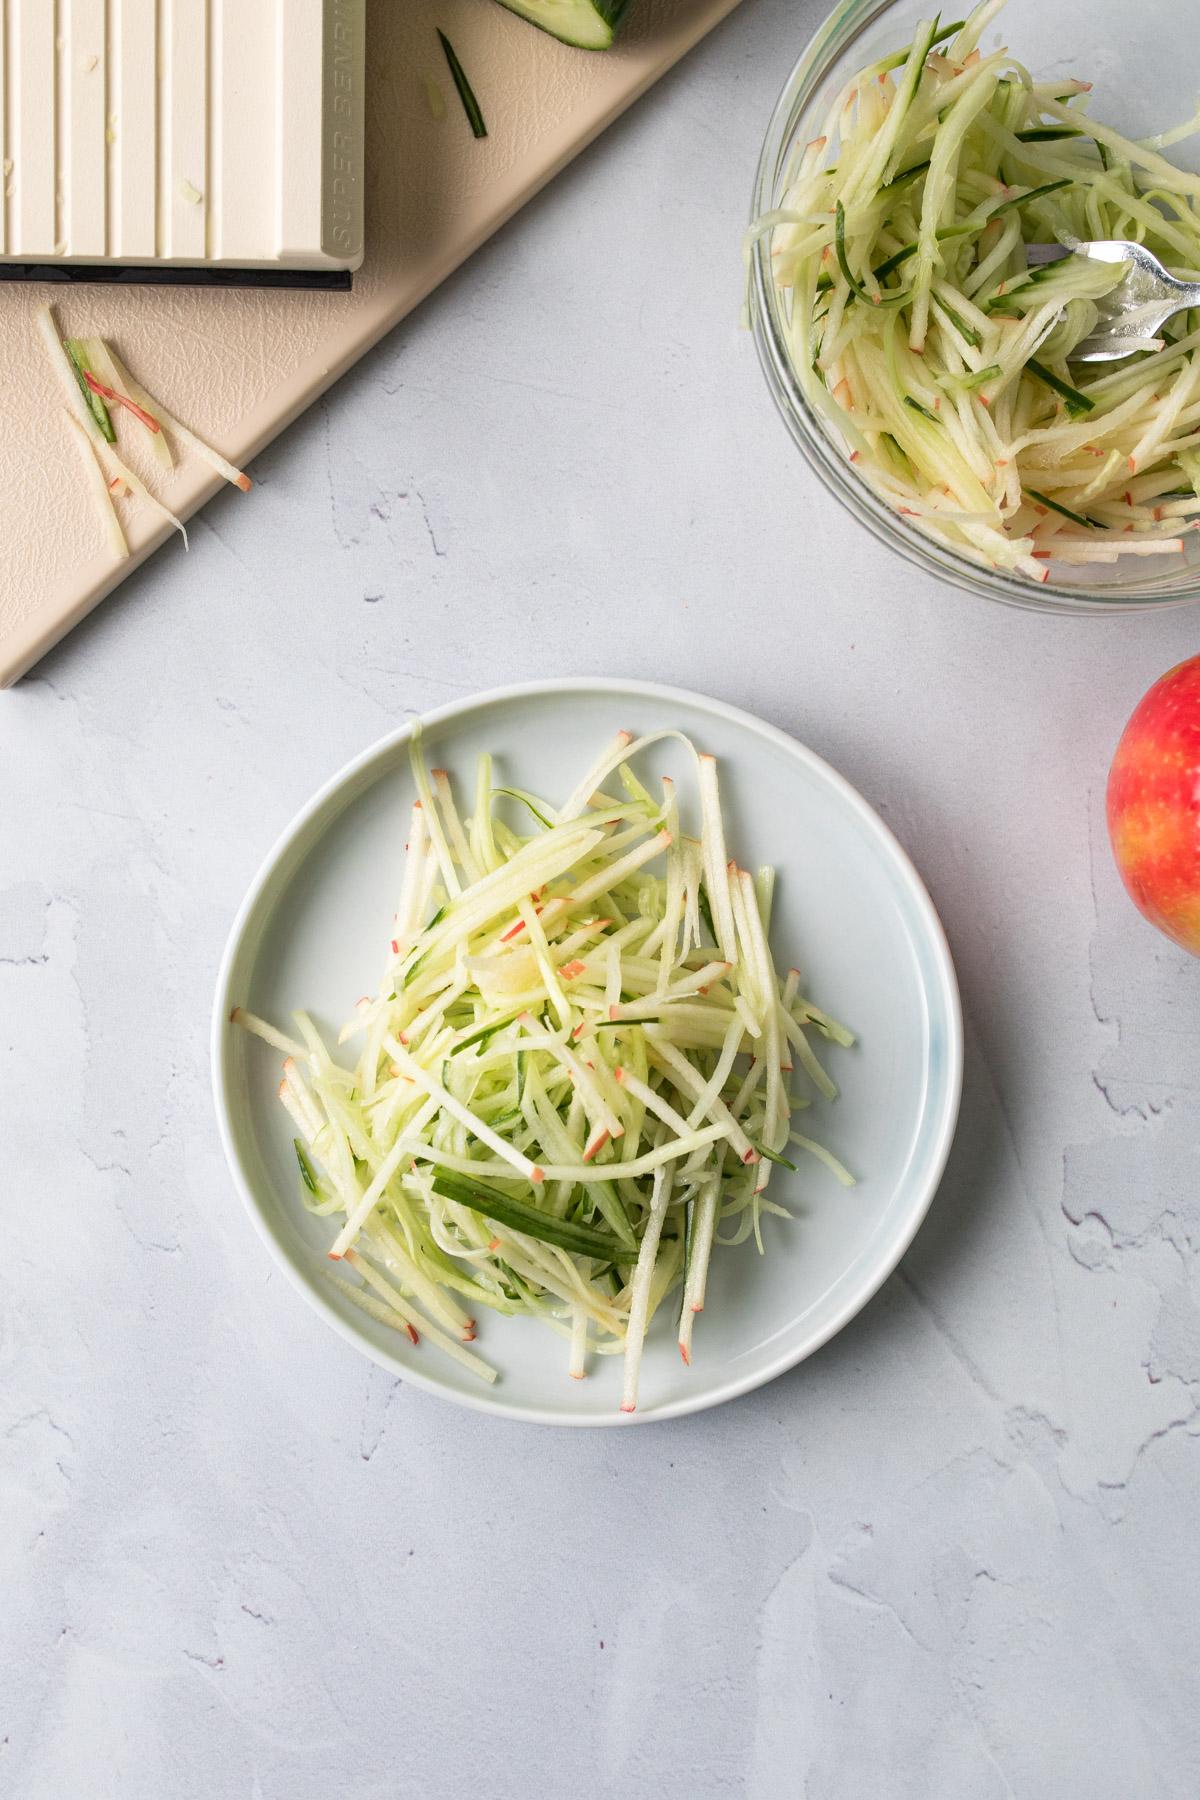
(1154, 805)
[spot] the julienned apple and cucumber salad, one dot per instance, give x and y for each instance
(579, 1072)
(919, 331)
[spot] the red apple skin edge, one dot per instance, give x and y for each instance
(1154, 805)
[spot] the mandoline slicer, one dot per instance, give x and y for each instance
(199, 141)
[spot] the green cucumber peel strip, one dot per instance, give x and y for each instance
(1036, 193)
(81, 368)
(979, 378)
(484, 1035)
(412, 967)
(908, 93)
(1055, 506)
(466, 93)
(839, 241)
(967, 332)
(898, 58)
(905, 175)
(307, 1173)
(526, 800)
(1047, 134)
(774, 1156)
(610, 1204)
(517, 1215)
(857, 289)
(1077, 403)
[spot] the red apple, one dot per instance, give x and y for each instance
(1154, 805)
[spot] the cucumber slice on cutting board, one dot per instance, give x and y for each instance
(587, 24)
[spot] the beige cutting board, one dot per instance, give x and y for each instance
(239, 365)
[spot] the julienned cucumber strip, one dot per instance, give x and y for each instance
(484, 1034)
(774, 1156)
(95, 405)
(307, 1172)
(585, 24)
(1026, 199)
(613, 1210)
(977, 379)
(967, 332)
(1065, 511)
(526, 800)
(938, 35)
(1077, 403)
(1048, 134)
(909, 174)
(839, 239)
(465, 91)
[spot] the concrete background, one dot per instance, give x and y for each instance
(954, 1554)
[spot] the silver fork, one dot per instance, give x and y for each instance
(1136, 309)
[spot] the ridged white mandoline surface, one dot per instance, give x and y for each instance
(182, 131)
(239, 366)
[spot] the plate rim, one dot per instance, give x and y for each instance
(732, 1387)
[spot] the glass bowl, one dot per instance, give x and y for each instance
(1140, 86)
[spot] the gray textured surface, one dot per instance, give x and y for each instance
(951, 1556)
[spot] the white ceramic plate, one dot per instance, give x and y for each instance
(850, 912)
